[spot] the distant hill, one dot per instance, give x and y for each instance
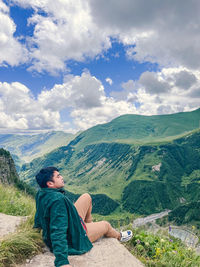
(133, 129)
(25, 148)
(143, 176)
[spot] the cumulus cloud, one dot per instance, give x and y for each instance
(12, 52)
(165, 32)
(85, 118)
(152, 83)
(65, 32)
(19, 109)
(83, 91)
(109, 80)
(154, 93)
(85, 97)
(128, 93)
(162, 92)
(83, 100)
(82, 97)
(195, 93)
(185, 79)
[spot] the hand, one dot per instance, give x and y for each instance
(67, 265)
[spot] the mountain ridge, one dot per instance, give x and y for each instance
(130, 128)
(25, 148)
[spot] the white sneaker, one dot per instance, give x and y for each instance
(126, 235)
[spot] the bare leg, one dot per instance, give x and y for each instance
(84, 207)
(95, 230)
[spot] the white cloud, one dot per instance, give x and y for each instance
(12, 52)
(109, 80)
(85, 96)
(19, 110)
(7, 122)
(153, 93)
(85, 103)
(162, 92)
(83, 91)
(65, 32)
(164, 32)
(85, 118)
(128, 92)
(152, 83)
(185, 79)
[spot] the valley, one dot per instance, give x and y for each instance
(139, 164)
(130, 170)
(158, 172)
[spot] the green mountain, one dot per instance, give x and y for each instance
(134, 129)
(143, 173)
(25, 148)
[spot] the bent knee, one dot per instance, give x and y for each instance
(87, 196)
(106, 225)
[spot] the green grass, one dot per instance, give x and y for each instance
(161, 250)
(26, 242)
(14, 202)
(155, 250)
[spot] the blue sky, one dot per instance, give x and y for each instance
(69, 65)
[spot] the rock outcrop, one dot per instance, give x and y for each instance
(9, 223)
(8, 173)
(107, 252)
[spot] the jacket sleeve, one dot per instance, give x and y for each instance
(58, 231)
(37, 223)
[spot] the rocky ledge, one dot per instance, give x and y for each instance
(107, 252)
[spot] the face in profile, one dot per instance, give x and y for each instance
(57, 181)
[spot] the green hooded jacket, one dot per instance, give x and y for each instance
(62, 232)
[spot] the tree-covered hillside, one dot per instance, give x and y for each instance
(144, 179)
(186, 214)
(177, 179)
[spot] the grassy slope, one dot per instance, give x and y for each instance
(160, 249)
(26, 242)
(137, 128)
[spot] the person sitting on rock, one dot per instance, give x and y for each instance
(67, 228)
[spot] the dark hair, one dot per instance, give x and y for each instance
(45, 175)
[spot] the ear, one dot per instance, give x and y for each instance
(50, 184)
